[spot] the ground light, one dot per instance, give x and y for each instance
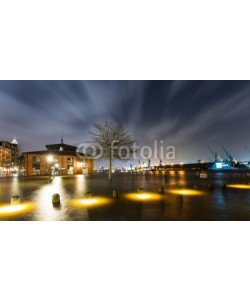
(185, 192)
(13, 210)
(239, 186)
(90, 202)
(143, 196)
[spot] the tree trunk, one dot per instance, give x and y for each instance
(110, 167)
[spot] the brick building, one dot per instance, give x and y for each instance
(57, 159)
(9, 159)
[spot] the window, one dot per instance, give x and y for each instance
(36, 165)
(70, 165)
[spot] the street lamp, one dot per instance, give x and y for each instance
(50, 160)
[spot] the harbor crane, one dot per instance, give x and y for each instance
(246, 147)
(160, 161)
(229, 156)
(217, 158)
(248, 150)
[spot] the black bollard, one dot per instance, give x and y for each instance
(210, 187)
(88, 195)
(161, 190)
(15, 200)
(56, 200)
(115, 194)
(224, 186)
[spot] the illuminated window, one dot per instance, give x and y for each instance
(219, 165)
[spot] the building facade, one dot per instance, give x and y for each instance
(57, 159)
(9, 158)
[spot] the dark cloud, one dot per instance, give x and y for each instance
(187, 114)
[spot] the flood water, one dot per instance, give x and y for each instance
(202, 203)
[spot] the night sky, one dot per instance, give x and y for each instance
(186, 114)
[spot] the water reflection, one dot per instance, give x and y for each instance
(178, 178)
(45, 209)
(143, 196)
(93, 201)
(14, 210)
(80, 184)
(186, 192)
(181, 200)
(239, 186)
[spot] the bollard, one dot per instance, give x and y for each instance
(224, 186)
(15, 200)
(56, 200)
(210, 187)
(115, 194)
(88, 195)
(161, 190)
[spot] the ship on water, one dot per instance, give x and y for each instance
(228, 164)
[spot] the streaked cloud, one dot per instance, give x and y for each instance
(187, 114)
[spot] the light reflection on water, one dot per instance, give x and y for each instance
(13, 210)
(199, 204)
(45, 210)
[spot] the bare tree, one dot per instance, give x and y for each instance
(113, 140)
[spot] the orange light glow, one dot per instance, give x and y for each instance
(239, 186)
(143, 196)
(94, 201)
(8, 210)
(185, 192)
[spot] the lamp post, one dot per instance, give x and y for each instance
(50, 160)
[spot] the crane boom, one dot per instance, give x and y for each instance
(228, 154)
(215, 154)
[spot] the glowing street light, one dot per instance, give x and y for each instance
(50, 158)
